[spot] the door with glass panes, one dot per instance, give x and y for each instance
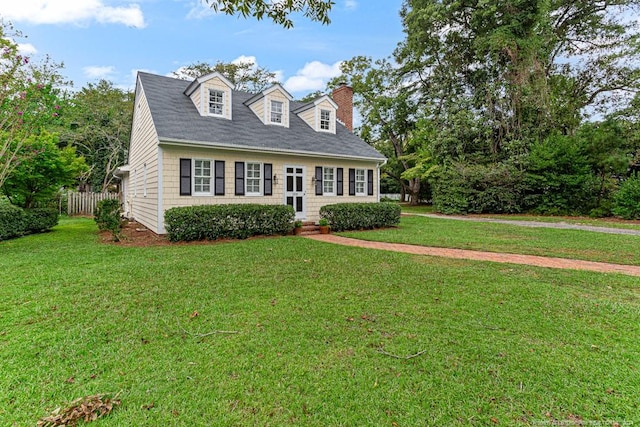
(294, 192)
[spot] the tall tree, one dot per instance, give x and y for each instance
(523, 67)
(245, 75)
(98, 124)
(29, 99)
(278, 11)
(388, 110)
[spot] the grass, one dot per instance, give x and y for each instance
(492, 237)
(596, 222)
(512, 345)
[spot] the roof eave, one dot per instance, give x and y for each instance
(232, 147)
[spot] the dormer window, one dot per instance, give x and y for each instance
(216, 102)
(276, 112)
(325, 120)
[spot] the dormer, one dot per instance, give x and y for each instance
(211, 94)
(271, 106)
(320, 114)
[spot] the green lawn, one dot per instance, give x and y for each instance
(493, 237)
(498, 344)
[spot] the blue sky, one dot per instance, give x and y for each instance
(114, 39)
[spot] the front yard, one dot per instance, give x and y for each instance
(288, 331)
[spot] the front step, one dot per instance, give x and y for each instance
(309, 228)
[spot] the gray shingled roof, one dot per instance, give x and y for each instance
(177, 119)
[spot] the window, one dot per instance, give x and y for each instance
(202, 176)
(325, 119)
(216, 102)
(144, 180)
(253, 179)
(361, 182)
(276, 111)
(328, 181)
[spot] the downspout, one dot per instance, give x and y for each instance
(380, 165)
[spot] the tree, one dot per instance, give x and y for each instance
(245, 75)
(389, 115)
(277, 11)
(47, 170)
(98, 123)
(29, 99)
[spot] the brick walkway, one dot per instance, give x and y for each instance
(534, 260)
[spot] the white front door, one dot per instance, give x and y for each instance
(294, 191)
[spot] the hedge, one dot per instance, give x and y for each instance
(359, 216)
(16, 222)
(238, 221)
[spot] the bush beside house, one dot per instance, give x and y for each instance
(359, 216)
(233, 221)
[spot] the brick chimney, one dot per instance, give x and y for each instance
(343, 96)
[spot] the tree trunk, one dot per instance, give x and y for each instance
(414, 190)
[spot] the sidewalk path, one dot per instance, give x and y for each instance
(536, 224)
(534, 260)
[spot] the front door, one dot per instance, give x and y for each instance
(294, 193)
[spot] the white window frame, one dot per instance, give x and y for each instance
(326, 181)
(195, 177)
(220, 103)
(362, 181)
(327, 121)
(253, 178)
(144, 181)
(273, 111)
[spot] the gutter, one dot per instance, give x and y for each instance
(230, 147)
(379, 166)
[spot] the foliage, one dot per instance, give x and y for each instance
(389, 113)
(98, 123)
(560, 178)
(47, 169)
(107, 217)
(462, 189)
(278, 12)
(359, 216)
(245, 75)
(627, 199)
(323, 222)
(16, 222)
(29, 99)
(234, 221)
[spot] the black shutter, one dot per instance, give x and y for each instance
(370, 182)
(339, 183)
(219, 186)
(352, 182)
(268, 173)
(185, 177)
(239, 178)
(318, 180)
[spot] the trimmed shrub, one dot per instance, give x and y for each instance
(38, 220)
(236, 221)
(107, 217)
(627, 200)
(359, 216)
(16, 222)
(12, 221)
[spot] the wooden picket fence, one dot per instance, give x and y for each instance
(85, 203)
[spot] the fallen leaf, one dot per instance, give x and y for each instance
(70, 380)
(88, 408)
(194, 315)
(148, 406)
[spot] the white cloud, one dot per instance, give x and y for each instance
(351, 4)
(77, 12)
(200, 10)
(243, 59)
(313, 76)
(27, 49)
(97, 72)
